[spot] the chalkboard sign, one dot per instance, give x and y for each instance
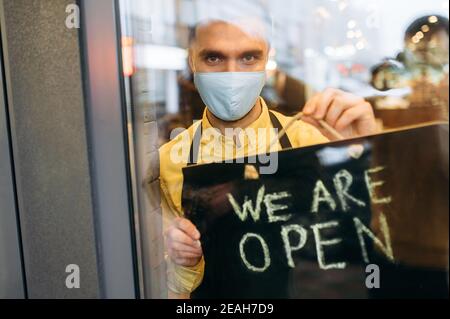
(311, 229)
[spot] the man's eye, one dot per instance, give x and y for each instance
(213, 59)
(249, 58)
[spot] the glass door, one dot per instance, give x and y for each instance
(371, 49)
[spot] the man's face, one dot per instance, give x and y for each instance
(224, 47)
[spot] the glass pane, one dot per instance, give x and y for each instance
(307, 221)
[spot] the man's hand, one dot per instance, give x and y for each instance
(183, 243)
(350, 115)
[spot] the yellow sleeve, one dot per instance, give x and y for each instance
(184, 280)
(180, 280)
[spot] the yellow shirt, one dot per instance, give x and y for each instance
(215, 147)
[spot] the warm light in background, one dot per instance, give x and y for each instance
(323, 12)
(433, 19)
(128, 56)
(271, 65)
(351, 24)
(425, 28)
(360, 45)
(343, 5)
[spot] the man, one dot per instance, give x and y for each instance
(228, 60)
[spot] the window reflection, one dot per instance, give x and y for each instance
(392, 53)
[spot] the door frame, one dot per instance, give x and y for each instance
(12, 272)
(109, 152)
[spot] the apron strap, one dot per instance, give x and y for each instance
(195, 146)
(285, 142)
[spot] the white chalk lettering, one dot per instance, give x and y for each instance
(361, 229)
(255, 212)
(321, 243)
(371, 185)
(321, 194)
(272, 208)
(285, 231)
(265, 250)
(342, 181)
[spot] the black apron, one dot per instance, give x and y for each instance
(210, 284)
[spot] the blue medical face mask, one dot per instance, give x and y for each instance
(230, 96)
